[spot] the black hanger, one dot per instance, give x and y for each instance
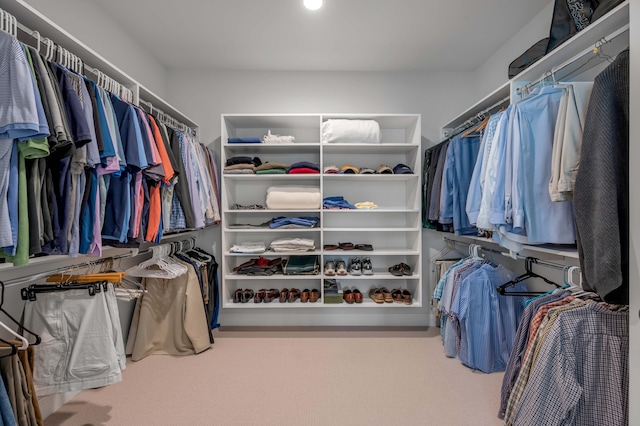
(528, 263)
(29, 293)
(22, 327)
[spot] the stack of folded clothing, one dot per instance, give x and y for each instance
(244, 140)
(293, 222)
(293, 198)
(249, 247)
(337, 202)
(259, 266)
(271, 138)
(241, 165)
(292, 245)
(366, 205)
(271, 168)
(303, 167)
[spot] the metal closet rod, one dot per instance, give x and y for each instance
(478, 117)
(163, 116)
(517, 256)
(70, 268)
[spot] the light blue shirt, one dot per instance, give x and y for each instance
(545, 221)
(488, 321)
(476, 187)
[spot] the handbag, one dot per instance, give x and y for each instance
(572, 16)
(530, 56)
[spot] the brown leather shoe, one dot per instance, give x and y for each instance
(386, 294)
(294, 294)
(237, 296)
(376, 295)
(357, 296)
(284, 295)
(271, 295)
(314, 296)
(408, 298)
(304, 296)
(348, 296)
(259, 296)
(396, 295)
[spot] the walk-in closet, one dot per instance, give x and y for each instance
(315, 212)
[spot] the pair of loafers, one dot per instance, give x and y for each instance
(380, 295)
(242, 296)
(403, 296)
(266, 296)
(352, 296)
(293, 294)
(400, 269)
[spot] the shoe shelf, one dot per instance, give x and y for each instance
(393, 229)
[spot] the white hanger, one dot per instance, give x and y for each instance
(25, 343)
(165, 267)
(2, 16)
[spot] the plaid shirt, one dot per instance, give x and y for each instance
(523, 377)
(519, 346)
(581, 376)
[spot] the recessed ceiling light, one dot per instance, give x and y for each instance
(313, 4)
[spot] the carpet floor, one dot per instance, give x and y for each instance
(297, 377)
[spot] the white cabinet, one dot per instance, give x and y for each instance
(393, 229)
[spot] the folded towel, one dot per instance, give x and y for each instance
(308, 189)
(350, 131)
(271, 138)
(291, 200)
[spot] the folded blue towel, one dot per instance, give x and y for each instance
(245, 140)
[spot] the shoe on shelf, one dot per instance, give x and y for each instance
(247, 295)
(271, 295)
(304, 296)
(367, 267)
(259, 296)
(284, 295)
(341, 267)
(396, 295)
(294, 294)
(376, 295)
(237, 296)
(357, 295)
(406, 269)
(386, 294)
(314, 296)
(408, 298)
(348, 296)
(355, 266)
(330, 268)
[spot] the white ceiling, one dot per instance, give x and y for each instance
(345, 35)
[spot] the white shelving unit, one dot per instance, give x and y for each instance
(393, 229)
(573, 60)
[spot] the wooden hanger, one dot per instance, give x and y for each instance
(477, 127)
(112, 277)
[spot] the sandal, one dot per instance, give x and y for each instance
(396, 270)
(406, 269)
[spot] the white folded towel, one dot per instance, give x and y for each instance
(350, 131)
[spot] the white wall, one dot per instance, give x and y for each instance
(204, 96)
(90, 24)
(494, 71)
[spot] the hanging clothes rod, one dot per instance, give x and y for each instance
(592, 52)
(542, 262)
(163, 116)
(477, 118)
(62, 270)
